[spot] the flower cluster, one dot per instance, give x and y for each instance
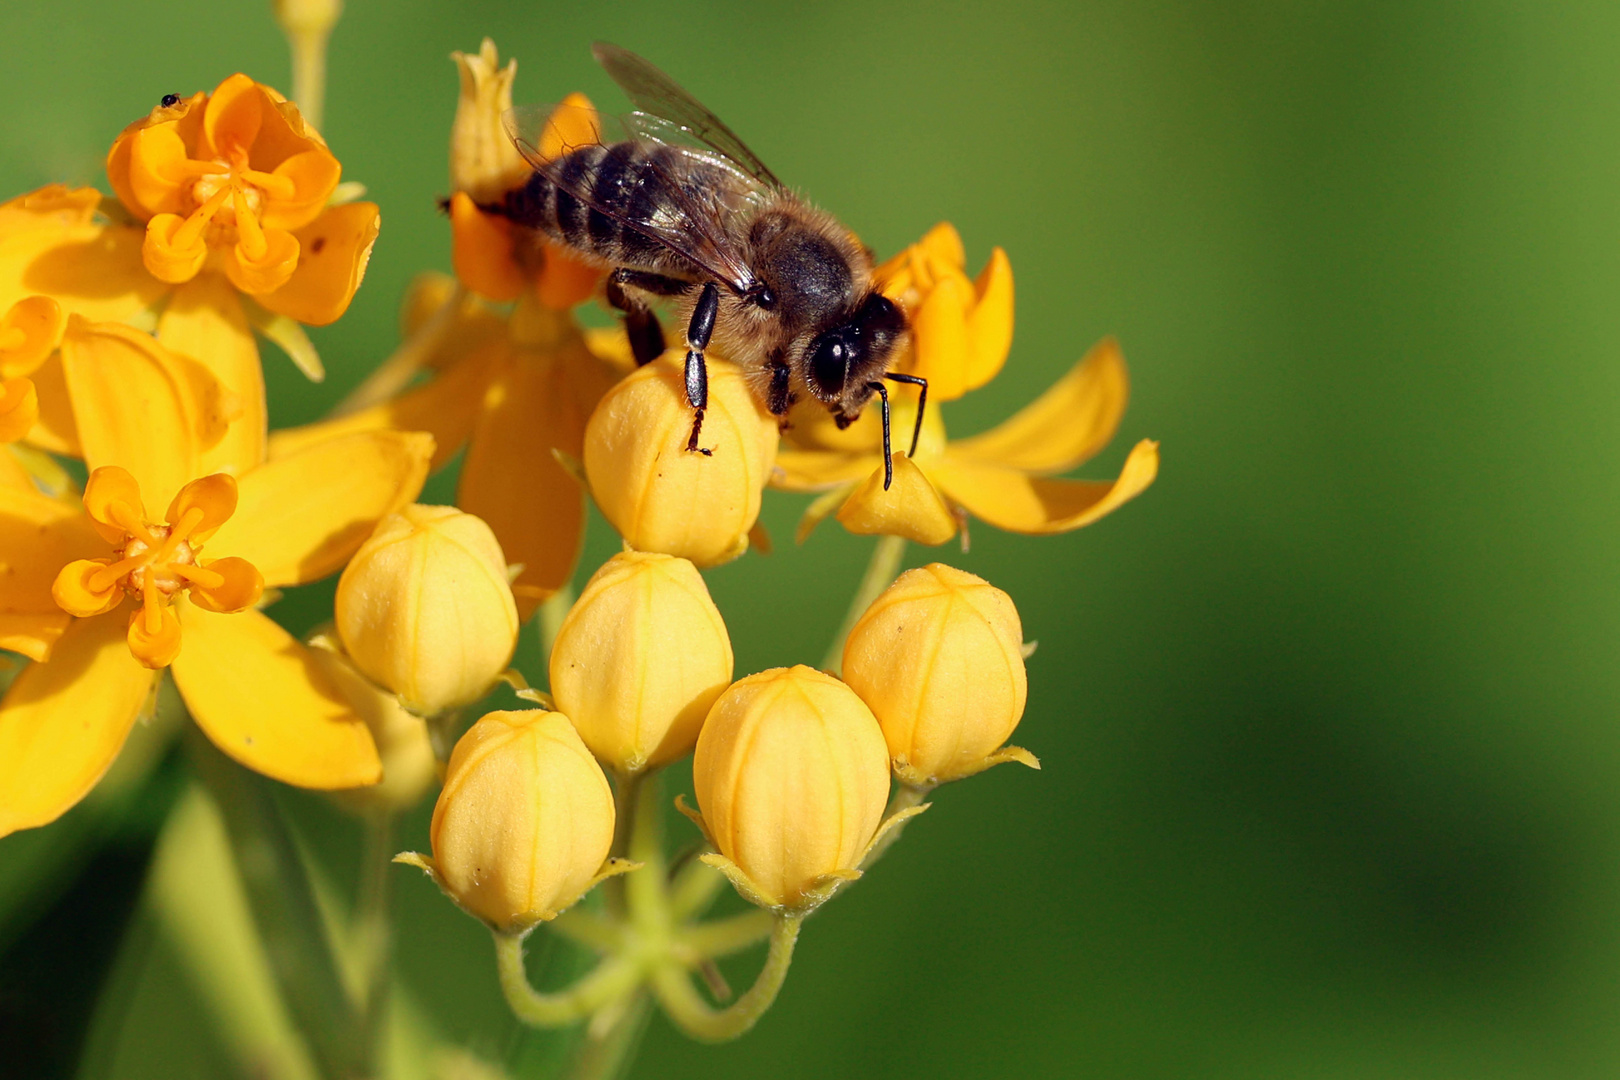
(129, 330)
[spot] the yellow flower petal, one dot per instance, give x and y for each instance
(910, 508)
(540, 400)
(32, 635)
(135, 405)
(300, 517)
(1074, 419)
(82, 591)
(943, 242)
(445, 408)
(91, 270)
(990, 324)
(55, 430)
(154, 635)
(39, 535)
(13, 473)
(29, 332)
(333, 252)
(939, 339)
(265, 701)
(565, 281)
(204, 320)
(1019, 503)
(54, 205)
(212, 499)
(19, 409)
(817, 470)
(63, 723)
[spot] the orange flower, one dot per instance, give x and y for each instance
(236, 180)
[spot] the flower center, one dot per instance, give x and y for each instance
(155, 561)
(229, 198)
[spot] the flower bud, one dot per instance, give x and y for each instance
(663, 497)
(425, 610)
(640, 659)
(409, 767)
(792, 777)
(939, 659)
(523, 826)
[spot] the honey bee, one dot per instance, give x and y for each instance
(680, 211)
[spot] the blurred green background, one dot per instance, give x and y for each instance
(1327, 716)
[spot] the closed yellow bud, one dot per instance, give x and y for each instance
(425, 610)
(663, 497)
(523, 826)
(791, 777)
(640, 659)
(939, 658)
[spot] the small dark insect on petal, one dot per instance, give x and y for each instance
(170, 100)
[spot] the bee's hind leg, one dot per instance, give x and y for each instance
(698, 332)
(640, 322)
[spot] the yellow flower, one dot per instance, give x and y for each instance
(220, 196)
(791, 776)
(1003, 476)
(663, 497)
(253, 689)
(939, 659)
(640, 659)
(425, 610)
(960, 329)
(512, 388)
(523, 826)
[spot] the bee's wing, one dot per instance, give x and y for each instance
(690, 218)
(659, 97)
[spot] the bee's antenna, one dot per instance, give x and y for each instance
(888, 457)
(922, 403)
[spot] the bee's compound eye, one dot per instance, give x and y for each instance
(830, 358)
(170, 100)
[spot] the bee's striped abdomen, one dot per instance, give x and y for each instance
(624, 185)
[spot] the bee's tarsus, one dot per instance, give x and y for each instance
(692, 439)
(888, 456)
(922, 403)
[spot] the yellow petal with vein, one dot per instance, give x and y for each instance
(13, 473)
(538, 402)
(911, 508)
(91, 270)
(1024, 504)
(38, 536)
(817, 470)
(300, 517)
(1069, 423)
(445, 408)
(265, 701)
(939, 338)
(62, 723)
(32, 635)
(204, 320)
(135, 405)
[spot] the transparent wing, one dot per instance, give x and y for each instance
(689, 194)
(657, 95)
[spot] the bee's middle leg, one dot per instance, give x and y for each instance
(698, 332)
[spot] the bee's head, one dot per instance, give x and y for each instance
(841, 361)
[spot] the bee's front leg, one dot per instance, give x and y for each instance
(698, 332)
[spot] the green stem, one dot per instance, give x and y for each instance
(881, 571)
(284, 910)
(395, 373)
(722, 937)
(905, 797)
(607, 1056)
(612, 979)
(626, 787)
(699, 1019)
(694, 889)
(374, 931)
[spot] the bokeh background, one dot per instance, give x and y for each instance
(1328, 716)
